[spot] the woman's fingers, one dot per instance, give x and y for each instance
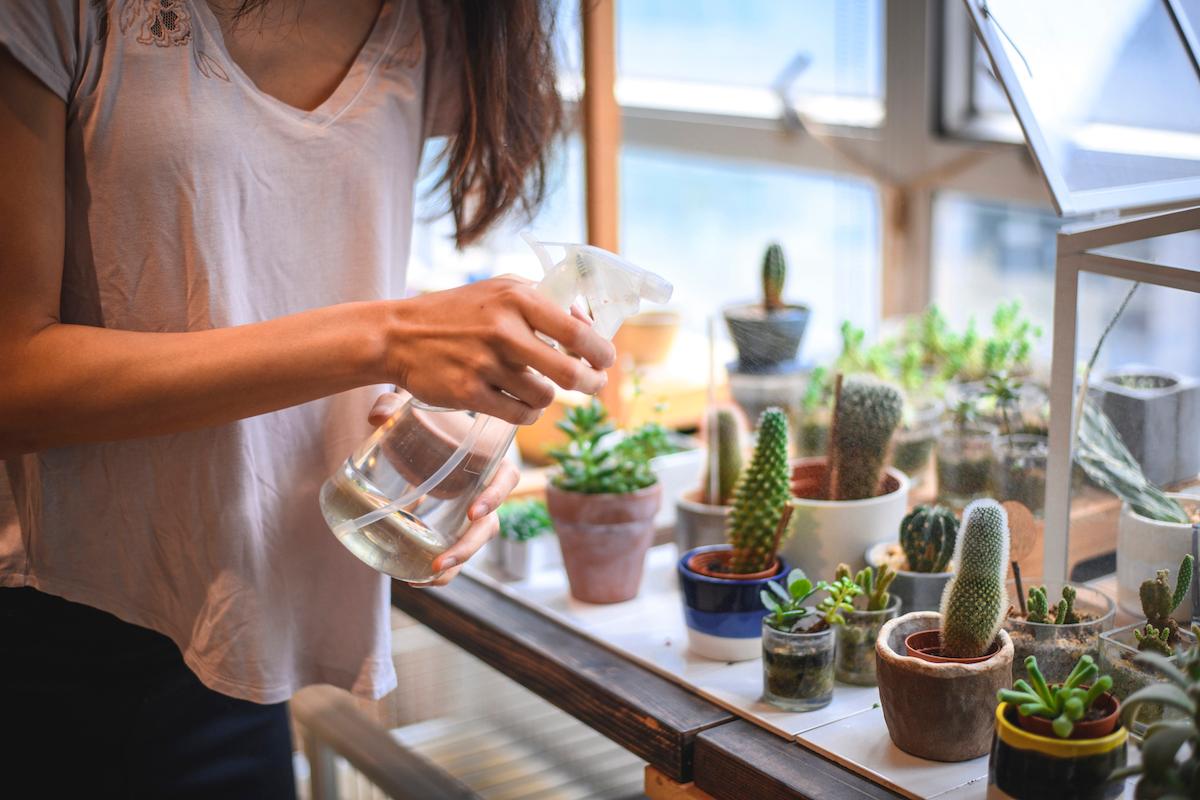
(386, 404)
(495, 403)
(568, 372)
(477, 536)
(490, 498)
(569, 331)
(443, 579)
(523, 384)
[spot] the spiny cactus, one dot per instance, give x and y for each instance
(928, 535)
(1039, 605)
(760, 497)
(1159, 602)
(975, 600)
(1063, 612)
(873, 582)
(774, 273)
(1154, 640)
(724, 422)
(867, 416)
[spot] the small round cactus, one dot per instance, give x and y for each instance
(867, 416)
(774, 273)
(975, 600)
(760, 497)
(927, 536)
(724, 423)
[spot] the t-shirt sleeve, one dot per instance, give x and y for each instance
(44, 36)
(445, 81)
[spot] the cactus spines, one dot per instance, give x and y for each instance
(1065, 614)
(760, 497)
(1153, 639)
(1039, 605)
(927, 536)
(1159, 602)
(975, 599)
(867, 416)
(723, 424)
(774, 273)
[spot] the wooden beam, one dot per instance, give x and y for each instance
(601, 122)
(660, 787)
(646, 714)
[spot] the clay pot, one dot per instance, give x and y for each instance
(927, 646)
(1084, 729)
(939, 711)
(604, 539)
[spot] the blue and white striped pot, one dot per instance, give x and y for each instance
(723, 615)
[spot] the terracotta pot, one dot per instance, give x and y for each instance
(939, 711)
(715, 564)
(1089, 729)
(604, 539)
(927, 646)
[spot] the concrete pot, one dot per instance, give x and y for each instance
(510, 560)
(1157, 420)
(827, 532)
(698, 524)
(764, 338)
(604, 539)
(919, 591)
(1145, 546)
(939, 711)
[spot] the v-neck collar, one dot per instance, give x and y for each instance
(374, 48)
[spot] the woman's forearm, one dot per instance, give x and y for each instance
(68, 384)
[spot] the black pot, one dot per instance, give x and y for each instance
(765, 338)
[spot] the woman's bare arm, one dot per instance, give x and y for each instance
(62, 384)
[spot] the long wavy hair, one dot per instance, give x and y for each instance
(497, 160)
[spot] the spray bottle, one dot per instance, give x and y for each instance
(402, 498)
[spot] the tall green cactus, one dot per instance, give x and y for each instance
(867, 416)
(760, 497)
(723, 423)
(927, 536)
(975, 600)
(1158, 603)
(774, 273)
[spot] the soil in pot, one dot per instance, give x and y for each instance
(798, 667)
(1059, 647)
(856, 643)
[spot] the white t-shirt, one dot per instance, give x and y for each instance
(195, 201)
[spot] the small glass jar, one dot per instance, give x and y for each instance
(855, 662)
(1058, 647)
(797, 668)
(964, 464)
(914, 440)
(1118, 649)
(1019, 471)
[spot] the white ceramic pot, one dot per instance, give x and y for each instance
(827, 532)
(677, 473)
(1145, 546)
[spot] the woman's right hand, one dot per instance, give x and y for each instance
(475, 347)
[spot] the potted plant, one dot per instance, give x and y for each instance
(939, 672)
(767, 334)
(1170, 764)
(721, 583)
(602, 500)
(701, 513)
(1155, 411)
(844, 501)
(1019, 464)
(1058, 634)
(517, 551)
(870, 608)
(1057, 739)
(1159, 633)
(798, 646)
(964, 458)
(1154, 527)
(923, 559)
(812, 428)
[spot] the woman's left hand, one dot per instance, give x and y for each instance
(484, 523)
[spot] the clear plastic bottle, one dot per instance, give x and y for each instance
(402, 498)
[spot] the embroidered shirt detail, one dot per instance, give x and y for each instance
(165, 23)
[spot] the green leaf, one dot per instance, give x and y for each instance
(780, 591)
(768, 601)
(1166, 694)
(1062, 726)
(1162, 742)
(1164, 665)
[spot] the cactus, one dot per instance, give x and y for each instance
(975, 600)
(1039, 605)
(873, 582)
(867, 416)
(1065, 614)
(729, 456)
(760, 497)
(1159, 602)
(928, 535)
(774, 273)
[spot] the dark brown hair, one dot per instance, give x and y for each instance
(497, 159)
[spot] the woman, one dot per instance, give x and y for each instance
(206, 208)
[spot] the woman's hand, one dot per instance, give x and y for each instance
(475, 347)
(484, 523)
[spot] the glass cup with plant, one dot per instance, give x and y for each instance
(964, 458)
(871, 608)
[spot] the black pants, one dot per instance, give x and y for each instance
(91, 706)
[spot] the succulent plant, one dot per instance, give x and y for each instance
(723, 423)
(787, 605)
(975, 599)
(1039, 605)
(928, 535)
(867, 416)
(774, 273)
(589, 465)
(873, 582)
(1063, 612)
(760, 497)
(1065, 703)
(840, 598)
(522, 520)
(1161, 632)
